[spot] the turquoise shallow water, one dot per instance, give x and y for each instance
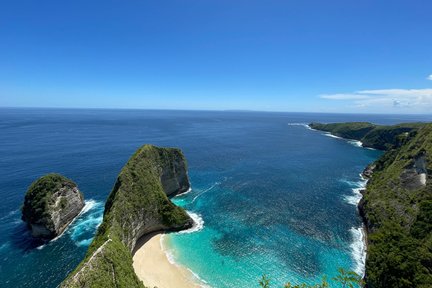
(289, 214)
(275, 198)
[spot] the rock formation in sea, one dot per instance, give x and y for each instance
(50, 205)
(138, 205)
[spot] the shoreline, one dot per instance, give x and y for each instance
(152, 266)
(363, 229)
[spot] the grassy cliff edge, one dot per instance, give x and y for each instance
(138, 205)
(397, 203)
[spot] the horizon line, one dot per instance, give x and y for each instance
(207, 110)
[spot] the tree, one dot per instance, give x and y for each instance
(348, 279)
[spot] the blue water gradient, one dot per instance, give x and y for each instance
(274, 197)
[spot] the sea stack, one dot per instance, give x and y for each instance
(50, 205)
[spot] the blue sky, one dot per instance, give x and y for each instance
(321, 56)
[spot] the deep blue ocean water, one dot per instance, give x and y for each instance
(275, 197)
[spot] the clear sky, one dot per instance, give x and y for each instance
(320, 56)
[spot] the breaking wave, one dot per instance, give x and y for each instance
(198, 223)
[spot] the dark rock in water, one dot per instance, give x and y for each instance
(368, 171)
(50, 205)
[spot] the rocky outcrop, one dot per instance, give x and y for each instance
(138, 205)
(397, 203)
(174, 176)
(50, 205)
(368, 171)
(414, 176)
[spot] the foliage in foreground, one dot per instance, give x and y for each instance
(344, 279)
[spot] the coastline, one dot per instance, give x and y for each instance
(362, 250)
(360, 238)
(152, 266)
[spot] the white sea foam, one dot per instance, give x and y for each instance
(358, 248)
(88, 205)
(354, 184)
(356, 195)
(355, 143)
(206, 190)
(80, 225)
(302, 124)
(89, 222)
(198, 223)
(4, 245)
(298, 124)
(328, 134)
(186, 192)
(168, 253)
(198, 280)
(355, 198)
(171, 259)
(42, 246)
(10, 214)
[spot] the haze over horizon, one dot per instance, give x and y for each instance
(308, 56)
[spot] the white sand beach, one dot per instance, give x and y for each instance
(153, 268)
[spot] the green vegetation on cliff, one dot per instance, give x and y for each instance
(374, 136)
(397, 204)
(137, 205)
(397, 208)
(344, 279)
(39, 197)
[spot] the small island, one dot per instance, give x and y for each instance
(137, 206)
(50, 205)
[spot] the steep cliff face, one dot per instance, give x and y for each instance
(137, 205)
(371, 135)
(174, 176)
(397, 209)
(50, 205)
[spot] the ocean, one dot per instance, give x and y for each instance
(270, 195)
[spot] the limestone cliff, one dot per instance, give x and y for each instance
(137, 205)
(50, 205)
(397, 206)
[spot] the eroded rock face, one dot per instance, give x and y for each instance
(368, 171)
(50, 205)
(415, 176)
(152, 173)
(174, 176)
(137, 205)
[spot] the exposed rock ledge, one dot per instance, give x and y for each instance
(138, 205)
(50, 205)
(415, 175)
